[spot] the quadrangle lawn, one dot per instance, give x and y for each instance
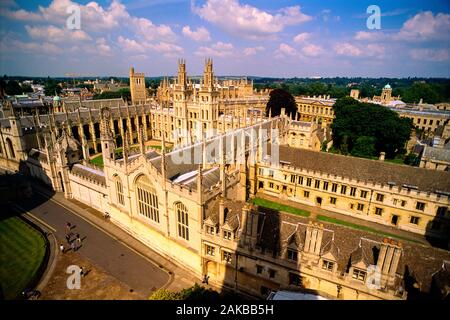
(22, 250)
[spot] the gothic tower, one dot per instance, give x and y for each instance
(137, 87)
(181, 96)
(208, 100)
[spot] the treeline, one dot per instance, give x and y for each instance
(411, 90)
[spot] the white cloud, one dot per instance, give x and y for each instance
(347, 49)
(95, 18)
(248, 21)
(285, 50)
(302, 37)
(426, 26)
(253, 50)
(369, 36)
(130, 45)
(423, 26)
(434, 55)
(351, 50)
(53, 34)
(200, 35)
(312, 50)
(219, 49)
(133, 46)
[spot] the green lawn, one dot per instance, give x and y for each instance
(280, 207)
(360, 227)
(22, 252)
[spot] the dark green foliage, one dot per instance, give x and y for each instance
(364, 147)
(13, 88)
(194, 293)
(411, 159)
(121, 93)
(279, 99)
(365, 129)
(51, 87)
(26, 88)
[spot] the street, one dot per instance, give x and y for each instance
(100, 248)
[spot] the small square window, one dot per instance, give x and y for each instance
(292, 255)
(420, 206)
(378, 211)
(414, 220)
(332, 200)
(259, 269)
(380, 197)
(272, 273)
(359, 274)
(327, 265)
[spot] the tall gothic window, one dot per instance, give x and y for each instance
(147, 200)
(119, 191)
(183, 220)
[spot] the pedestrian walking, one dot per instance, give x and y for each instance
(68, 227)
(61, 248)
(81, 272)
(72, 245)
(68, 238)
(78, 240)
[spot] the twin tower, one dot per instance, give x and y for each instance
(137, 81)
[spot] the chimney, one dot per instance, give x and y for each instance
(382, 156)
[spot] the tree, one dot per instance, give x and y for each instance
(13, 88)
(366, 129)
(364, 147)
(51, 87)
(26, 88)
(279, 99)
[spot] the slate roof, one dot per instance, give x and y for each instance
(366, 170)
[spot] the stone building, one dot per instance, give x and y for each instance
(194, 204)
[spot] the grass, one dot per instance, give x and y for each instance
(22, 253)
(361, 228)
(280, 207)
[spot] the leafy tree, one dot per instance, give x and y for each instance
(411, 159)
(355, 120)
(13, 88)
(364, 147)
(51, 87)
(194, 293)
(26, 88)
(279, 99)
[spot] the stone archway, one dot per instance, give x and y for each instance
(211, 269)
(10, 148)
(61, 181)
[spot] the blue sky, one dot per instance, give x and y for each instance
(283, 38)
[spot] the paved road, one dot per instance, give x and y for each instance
(114, 257)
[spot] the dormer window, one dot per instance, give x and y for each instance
(227, 235)
(210, 230)
(292, 255)
(359, 274)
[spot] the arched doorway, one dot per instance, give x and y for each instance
(211, 269)
(319, 201)
(61, 182)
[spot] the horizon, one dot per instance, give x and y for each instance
(282, 39)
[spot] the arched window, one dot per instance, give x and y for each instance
(183, 220)
(119, 191)
(10, 147)
(147, 200)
